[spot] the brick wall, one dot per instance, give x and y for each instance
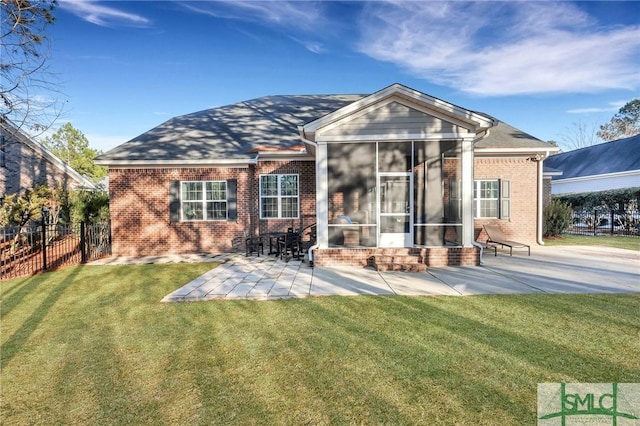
(434, 256)
(546, 191)
(306, 171)
(24, 167)
(139, 208)
(139, 205)
(523, 176)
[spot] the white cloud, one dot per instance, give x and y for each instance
(310, 45)
(612, 107)
(502, 48)
(105, 16)
(301, 17)
(290, 14)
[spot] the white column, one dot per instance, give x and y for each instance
(467, 192)
(322, 196)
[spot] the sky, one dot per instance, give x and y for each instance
(544, 67)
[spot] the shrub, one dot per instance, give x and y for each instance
(19, 209)
(557, 218)
(89, 206)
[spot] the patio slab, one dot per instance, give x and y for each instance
(348, 281)
(547, 270)
(573, 269)
(470, 280)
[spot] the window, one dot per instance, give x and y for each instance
(491, 198)
(203, 200)
(485, 198)
(279, 196)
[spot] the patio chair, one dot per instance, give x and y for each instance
(496, 237)
(305, 244)
(289, 244)
(253, 244)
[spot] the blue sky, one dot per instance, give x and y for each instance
(125, 67)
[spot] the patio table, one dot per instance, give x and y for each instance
(274, 236)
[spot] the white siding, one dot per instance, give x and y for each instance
(596, 183)
(394, 118)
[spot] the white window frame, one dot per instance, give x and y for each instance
(279, 197)
(477, 211)
(204, 201)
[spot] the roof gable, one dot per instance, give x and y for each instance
(403, 112)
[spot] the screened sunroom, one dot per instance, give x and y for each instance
(394, 194)
(395, 170)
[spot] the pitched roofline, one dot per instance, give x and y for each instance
(600, 176)
(42, 150)
(229, 162)
(544, 152)
(399, 90)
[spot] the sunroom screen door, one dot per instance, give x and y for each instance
(396, 207)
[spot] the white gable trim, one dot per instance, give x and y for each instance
(393, 137)
(470, 120)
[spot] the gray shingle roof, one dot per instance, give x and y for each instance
(622, 155)
(506, 136)
(231, 132)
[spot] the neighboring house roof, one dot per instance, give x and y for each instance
(550, 171)
(237, 133)
(9, 130)
(619, 156)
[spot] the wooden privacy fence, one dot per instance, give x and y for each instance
(47, 246)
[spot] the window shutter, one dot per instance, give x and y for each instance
(232, 199)
(505, 199)
(174, 201)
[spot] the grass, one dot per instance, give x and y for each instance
(629, 243)
(93, 345)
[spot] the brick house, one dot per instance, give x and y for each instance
(25, 162)
(395, 171)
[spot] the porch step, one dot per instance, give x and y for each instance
(396, 262)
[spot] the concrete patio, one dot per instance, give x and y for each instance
(548, 270)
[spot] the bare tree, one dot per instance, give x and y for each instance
(580, 135)
(28, 90)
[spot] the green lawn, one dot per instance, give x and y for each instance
(629, 243)
(93, 345)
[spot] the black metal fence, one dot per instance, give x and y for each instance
(605, 221)
(47, 246)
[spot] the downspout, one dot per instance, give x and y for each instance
(473, 173)
(540, 241)
(477, 244)
(311, 249)
(304, 138)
